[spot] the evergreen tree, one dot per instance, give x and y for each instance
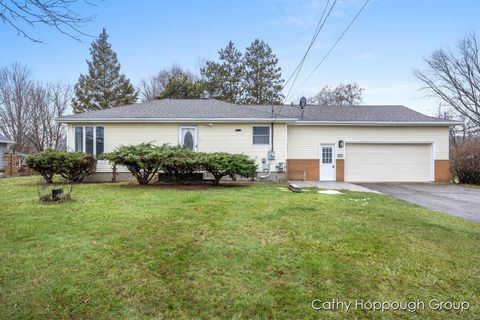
(223, 80)
(182, 87)
(104, 86)
(263, 79)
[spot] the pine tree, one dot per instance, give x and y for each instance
(223, 80)
(182, 87)
(263, 79)
(104, 86)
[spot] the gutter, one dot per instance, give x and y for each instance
(175, 120)
(379, 123)
(292, 121)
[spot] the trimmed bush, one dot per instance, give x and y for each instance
(78, 166)
(73, 166)
(221, 164)
(142, 160)
(146, 159)
(180, 163)
(465, 162)
(47, 163)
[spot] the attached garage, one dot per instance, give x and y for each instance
(394, 162)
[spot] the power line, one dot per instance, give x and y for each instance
(315, 34)
(319, 27)
(336, 42)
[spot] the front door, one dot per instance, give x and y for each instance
(188, 137)
(327, 162)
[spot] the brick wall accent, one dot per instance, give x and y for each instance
(12, 167)
(303, 169)
(340, 170)
(442, 171)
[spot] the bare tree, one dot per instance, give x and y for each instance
(59, 14)
(461, 133)
(454, 77)
(343, 94)
(38, 100)
(28, 110)
(60, 97)
(152, 88)
(15, 85)
(45, 104)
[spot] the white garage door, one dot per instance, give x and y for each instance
(388, 162)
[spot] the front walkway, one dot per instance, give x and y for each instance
(332, 185)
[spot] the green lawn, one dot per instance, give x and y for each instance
(128, 252)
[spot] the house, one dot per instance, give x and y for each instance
(4, 142)
(361, 143)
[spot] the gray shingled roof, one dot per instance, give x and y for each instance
(4, 139)
(198, 109)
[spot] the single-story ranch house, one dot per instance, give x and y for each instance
(361, 143)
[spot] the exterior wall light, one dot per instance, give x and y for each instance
(340, 143)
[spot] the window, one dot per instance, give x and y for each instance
(78, 138)
(261, 135)
(89, 139)
(99, 140)
(327, 155)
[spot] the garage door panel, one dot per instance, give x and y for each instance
(388, 162)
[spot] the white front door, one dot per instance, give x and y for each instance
(327, 162)
(188, 137)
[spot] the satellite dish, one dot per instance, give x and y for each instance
(303, 102)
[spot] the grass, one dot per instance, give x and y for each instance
(123, 251)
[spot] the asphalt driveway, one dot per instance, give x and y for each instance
(452, 199)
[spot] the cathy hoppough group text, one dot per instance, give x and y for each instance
(382, 306)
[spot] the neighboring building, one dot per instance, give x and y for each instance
(327, 143)
(4, 142)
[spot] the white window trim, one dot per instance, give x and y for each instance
(84, 138)
(196, 142)
(269, 136)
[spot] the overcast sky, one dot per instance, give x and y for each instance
(386, 42)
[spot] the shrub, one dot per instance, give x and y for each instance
(465, 163)
(47, 163)
(78, 166)
(221, 164)
(146, 159)
(180, 163)
(142, 160)
(73, 166)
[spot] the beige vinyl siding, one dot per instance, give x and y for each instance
(304, 140)
(214, 137)
(388, 162)
(223, 137)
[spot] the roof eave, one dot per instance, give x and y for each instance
(379, 123)
(175, 120)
